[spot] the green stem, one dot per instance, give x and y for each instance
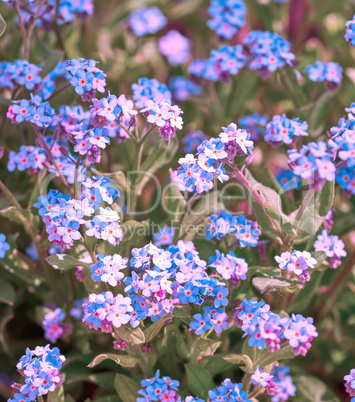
(132, 193)
(246, 382)
(76, 184)
(337, 284)
(58, 91)
(45, 146)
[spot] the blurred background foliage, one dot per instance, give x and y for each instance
(316, 30)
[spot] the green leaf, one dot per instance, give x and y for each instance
(13, 214)
(238, 359)
(317, 116)
(312, 389)
(207, 347)
(272, 199)
(57, 395)
(162, 153)
(306, 295)
(6, 316)
(199, 380)
(104, 380)
(181, 312)
(290, 82)
(109, 398)
(264, 284)
(269, 358)
(310, 216)
(2, 25)
(172, 334)
(7, 293)
(122, 360)
(135, 336)
(134, 232)
(216, 364)
(152, 331)
(64, 262)
(320, 256)
(51, 62)
(15, 263)
(344, 223)
(126, 388)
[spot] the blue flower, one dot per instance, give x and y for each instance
(220, 296)
(183, 89)
(147, 20)
(4, 246)
(350, 31)
(227, 17)
(201, 323)
(189, 293)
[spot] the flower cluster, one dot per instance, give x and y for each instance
(350, 384)
(332, 246)
(40, 367)
(86, 77)
(53, 326)
(331, 73)
(4, 246)
(224, 62)
(77, 311)
(20, 72)
(69, 118)
(350, 31)
(246, 232)
(183, 88)
(64, 215)
(34, 111)
(298, 263)
(165, 116)
(283, 130)
(267, 329)
(109, 269)
(162, 389)
(288, 180)
(230, 267)
(146, 21)
(283, 382)
(197, 174)
(105, 310)
(36, 158)
(175, 47)
(160, 279)
(62, 11)
(192, 140)
(165, 389)
(265, 380)
(228, 392)
(313, 162)
(342, 142)
(147, 89)
(255, 125)
(97, 190)
(228, 16)
(267, 51)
